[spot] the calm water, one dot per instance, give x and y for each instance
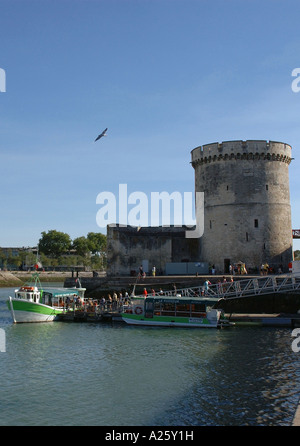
(115, 375)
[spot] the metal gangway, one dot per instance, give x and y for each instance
(238, 288)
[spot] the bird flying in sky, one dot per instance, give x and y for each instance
(101, 134)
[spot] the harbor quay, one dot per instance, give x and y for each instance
(269, 300)
(276, 302)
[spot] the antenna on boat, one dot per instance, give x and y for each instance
(77, 281)
(35, 274)
(133, 291)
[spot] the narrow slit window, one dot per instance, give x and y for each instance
(256, 223)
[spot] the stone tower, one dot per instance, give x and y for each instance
(247, 214)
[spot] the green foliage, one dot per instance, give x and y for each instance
(54, 243)
(57, 249)
(96, 242)
(81, 246)
(54, 250)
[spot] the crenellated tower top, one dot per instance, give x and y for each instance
(250, 149)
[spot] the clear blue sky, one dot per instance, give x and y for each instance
(164, 76)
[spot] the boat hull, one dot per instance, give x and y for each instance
(23, 311)
(132, 319)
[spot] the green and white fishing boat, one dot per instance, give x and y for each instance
(33, 303)
(172, 311)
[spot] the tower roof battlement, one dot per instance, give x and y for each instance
(249, 149)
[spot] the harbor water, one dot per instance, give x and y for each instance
(110, 374)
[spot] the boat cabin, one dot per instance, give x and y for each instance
(30, 293)
(172, 306)
(51, 297)
(62, 297)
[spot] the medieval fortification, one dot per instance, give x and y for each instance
(247, 214)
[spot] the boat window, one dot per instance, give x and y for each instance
(183, 309)
(157, 308)
(28, 295)
(198, 307)
(198, 310)
(168, 309)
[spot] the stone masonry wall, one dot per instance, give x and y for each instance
(247, 211)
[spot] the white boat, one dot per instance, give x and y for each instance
(33, 303)
(172, 311)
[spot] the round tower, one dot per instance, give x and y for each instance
(247, 213)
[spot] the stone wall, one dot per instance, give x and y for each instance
(128, 246)
(247, 215)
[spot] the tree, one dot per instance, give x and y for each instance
(97, 245)
(96, 242)
(46, 261)
(81, 245)
(54, 243)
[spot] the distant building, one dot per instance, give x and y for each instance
(128, 248)
(17, 258)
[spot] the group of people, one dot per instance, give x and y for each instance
(111, 302)
(153, 292)
(70, 301)
(221, 285)
(115, 300)
(142, 274)
(264, 269)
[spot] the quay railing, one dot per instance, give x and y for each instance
(235, 289)
(238, 288)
